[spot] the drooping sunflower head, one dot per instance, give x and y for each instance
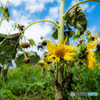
(90, 59)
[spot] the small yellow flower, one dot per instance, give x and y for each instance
(61, 51)
(46, 64)
(90, 60)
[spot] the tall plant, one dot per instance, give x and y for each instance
(75, 17)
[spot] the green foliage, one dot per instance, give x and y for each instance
(8, 47)
(55, 34)
(81, 51)
(2, 36)
(88, 32)
(77, 35)
(3, 92)
(77, 19)
(32, 42)
(30, 54)
(6, 12)
(34, 58)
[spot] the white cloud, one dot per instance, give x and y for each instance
(85, 6)
(90, 9)
(73, 2)
(7, 26)
(93, 28)
(37, 30)
(34, 6)
(15, 2)
(53, 13)
(99, 39)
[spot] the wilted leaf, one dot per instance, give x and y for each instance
(32, 42)
(77, 18)
(77, 35)
(88, 32)
(8, 48)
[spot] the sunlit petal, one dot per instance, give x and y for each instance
(68, 58)
(71, 54)
(65, 40)
(69, 48)
(54, 58)
(60, 43)
(92, 45)
(51, 47)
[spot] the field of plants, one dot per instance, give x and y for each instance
(64, 71)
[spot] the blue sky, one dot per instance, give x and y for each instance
(28, 11)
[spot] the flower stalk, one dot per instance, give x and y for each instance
(59, 73)
(39, 22)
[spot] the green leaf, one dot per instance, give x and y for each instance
(55, 34)
(3, 91)
(88, 32)
(29, 54)
(77, 18)
(32, 42)
(6, 12)
(77, 35)
(71, 33)
(8, 48)
(2, 36)
(1, 9)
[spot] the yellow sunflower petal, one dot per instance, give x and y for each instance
(71, 54)
(60, 43)
(90, 60)
(91, 53)
(69, 48)
(92, 45)
(65, 40)
(54, 58)
(89, 64)
(51, 47)
(68, 58)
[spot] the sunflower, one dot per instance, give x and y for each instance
(90, 60)
(61, 51)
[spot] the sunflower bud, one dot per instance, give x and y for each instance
(26, 60)
(81, 40)
(44, 42)
(41, 62)
(25, 44)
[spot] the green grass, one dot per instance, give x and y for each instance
(27, 83)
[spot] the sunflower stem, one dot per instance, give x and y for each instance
(39, 22)
(59, 71)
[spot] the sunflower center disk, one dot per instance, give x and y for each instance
(59, 53)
